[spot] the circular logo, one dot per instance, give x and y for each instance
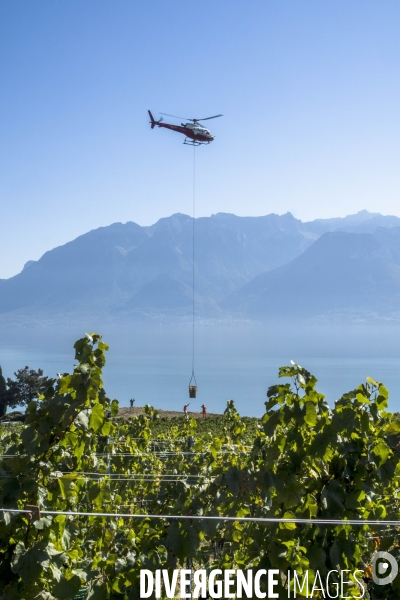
(384, 568)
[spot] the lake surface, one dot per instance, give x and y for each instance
(153, 363)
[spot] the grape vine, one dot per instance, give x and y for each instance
(303, 460)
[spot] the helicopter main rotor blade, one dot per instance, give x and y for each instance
(175, 117)
(207, 118)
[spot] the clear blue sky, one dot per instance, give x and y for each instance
(310, 90)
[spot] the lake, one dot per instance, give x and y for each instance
(152, 363)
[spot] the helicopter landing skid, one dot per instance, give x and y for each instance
(190, 142)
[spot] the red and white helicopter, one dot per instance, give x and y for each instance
(195, 133)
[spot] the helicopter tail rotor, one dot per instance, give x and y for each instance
(152, 121)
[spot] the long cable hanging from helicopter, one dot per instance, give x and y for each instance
(193, 382)
(195, 135)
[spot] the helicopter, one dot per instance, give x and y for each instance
(195, 133)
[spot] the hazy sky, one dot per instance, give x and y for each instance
(309, 89)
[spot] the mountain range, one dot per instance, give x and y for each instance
(245, 267)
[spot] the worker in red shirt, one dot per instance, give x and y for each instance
(185, 408)
(204, 413)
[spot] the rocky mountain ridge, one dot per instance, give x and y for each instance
(132, 271)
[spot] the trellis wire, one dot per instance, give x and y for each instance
(271, 520)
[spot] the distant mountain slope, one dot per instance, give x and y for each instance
(163, 292)
(127, 266)
(361, 222)
(248, 265)
(339, 272)
(84, 270)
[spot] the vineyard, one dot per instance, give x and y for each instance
(88, 500)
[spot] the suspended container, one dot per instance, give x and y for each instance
(192, 387)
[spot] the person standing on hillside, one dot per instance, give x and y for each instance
(185, 408)
(132, 402)
(204, 408)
